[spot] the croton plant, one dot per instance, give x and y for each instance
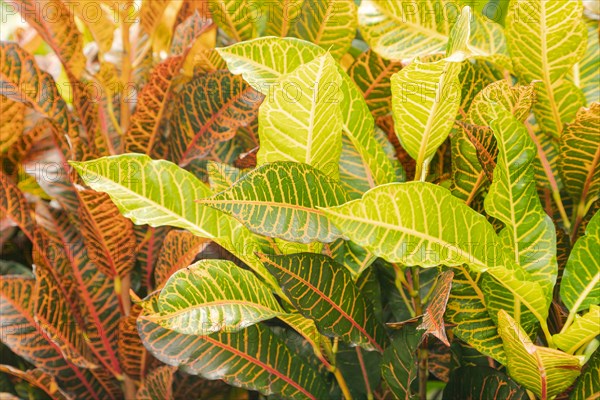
(300, 199)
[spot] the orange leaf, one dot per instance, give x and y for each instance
(433, 319)
(108, 235)
(210, 109)
(55, 24)
(179, 250)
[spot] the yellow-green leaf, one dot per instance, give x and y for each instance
(302, 120)
(213, 296)
(281, 200)
(544, 371)
(583, 330)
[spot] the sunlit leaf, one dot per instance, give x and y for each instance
(323, 291)
(402, 222)
(213, 296)
(528, 232)
(329, 23)
(545, 40)
(262, 61)
(403, 29)
(302, 121)
(544, 371)
(130, 181)
(426, 98)
(581, 332)
(281, 199)
(579, 286)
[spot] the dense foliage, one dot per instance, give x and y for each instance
(302, 199)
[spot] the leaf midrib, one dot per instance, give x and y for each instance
(404, 230)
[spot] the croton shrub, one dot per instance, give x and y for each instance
(301, 199)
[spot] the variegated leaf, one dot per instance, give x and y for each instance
(329, 23)
(323, 291)
(544, 371)
(262, 61)
(301, 120)
(545, 40)
(253, 358)
(109, 236)
(281, 200)
(213, 296)
(209, 110)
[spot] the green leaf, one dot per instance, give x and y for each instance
(544, 371)
(579, 160)
(360, 368)
(467, 310)
(581, 332)
(213, 296)
(323, 291)
(280, 16)
(222, 176)
(254, 358)
(281, 199)
(418, 223)
(329, 23)
(132, 181)
(588, 385)
(482, 382)
(262, 61)
(478, 37)
(585, 71)
(579, 287)
(302, 121)
(426, 98)
(399, 364)
(403, 29)
(528, 231)
(308, 329)
(545, 40)
(235, 17)
(394, 29)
